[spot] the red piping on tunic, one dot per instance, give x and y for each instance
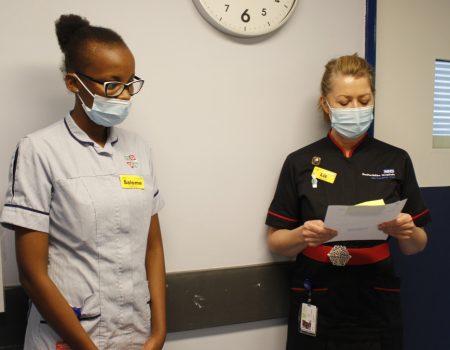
(387, 289)
(420, 214)
(282, 217)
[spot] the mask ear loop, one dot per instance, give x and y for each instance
(85, 106)
(85, 87)
(330, 109)
(83, 103)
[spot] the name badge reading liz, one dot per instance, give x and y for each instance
(132, 182)
(324, 174)
(307, 319)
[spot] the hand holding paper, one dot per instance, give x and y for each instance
(315, 233)
(402, 227)
(361, 222)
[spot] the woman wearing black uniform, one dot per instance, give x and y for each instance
(350, 287)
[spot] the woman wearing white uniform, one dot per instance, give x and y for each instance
(84, 204)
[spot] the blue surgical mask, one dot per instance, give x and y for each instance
(105, 111)
(351, 122)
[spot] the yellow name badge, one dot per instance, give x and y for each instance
(324, 175)
(132, 181)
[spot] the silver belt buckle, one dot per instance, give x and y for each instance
(339, 255)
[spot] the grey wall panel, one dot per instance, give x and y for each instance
(195, 300)
(220, 297)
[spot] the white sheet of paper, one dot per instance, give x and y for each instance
(360, 222)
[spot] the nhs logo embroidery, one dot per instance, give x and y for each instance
(381, 175)
(388, 174)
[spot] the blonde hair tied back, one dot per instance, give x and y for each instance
(352, 65)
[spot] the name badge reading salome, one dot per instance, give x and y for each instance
(132, 182)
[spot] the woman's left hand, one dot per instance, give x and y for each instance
(402, 227)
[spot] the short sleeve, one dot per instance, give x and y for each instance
(158, 201)
(410, 190)
(28, 197)
(284, 210)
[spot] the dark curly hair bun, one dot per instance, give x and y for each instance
(74, 34)
(66, 26)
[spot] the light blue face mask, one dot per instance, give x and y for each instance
(351, 122)
(105, 111)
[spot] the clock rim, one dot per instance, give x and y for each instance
(212, 21)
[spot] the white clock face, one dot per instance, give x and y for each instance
(246, 18)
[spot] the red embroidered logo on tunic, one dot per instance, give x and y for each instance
(62, 346)
(131, 161)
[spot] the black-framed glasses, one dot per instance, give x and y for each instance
(115, 88)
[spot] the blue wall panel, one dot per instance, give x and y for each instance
(426, 279)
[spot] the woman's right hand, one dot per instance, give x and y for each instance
(315, 233)
(292, 242)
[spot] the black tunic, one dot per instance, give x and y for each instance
(354, 302)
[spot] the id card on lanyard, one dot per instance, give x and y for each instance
(308, 319)
(308, 313)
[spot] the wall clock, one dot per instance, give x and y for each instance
(246, 18)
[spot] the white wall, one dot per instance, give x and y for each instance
(220, 113)
(263, 335)
(411, 35)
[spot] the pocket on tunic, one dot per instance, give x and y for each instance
(380, 298)
(90, 310)
(389, 305)
(142, 310)
(88, 314)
